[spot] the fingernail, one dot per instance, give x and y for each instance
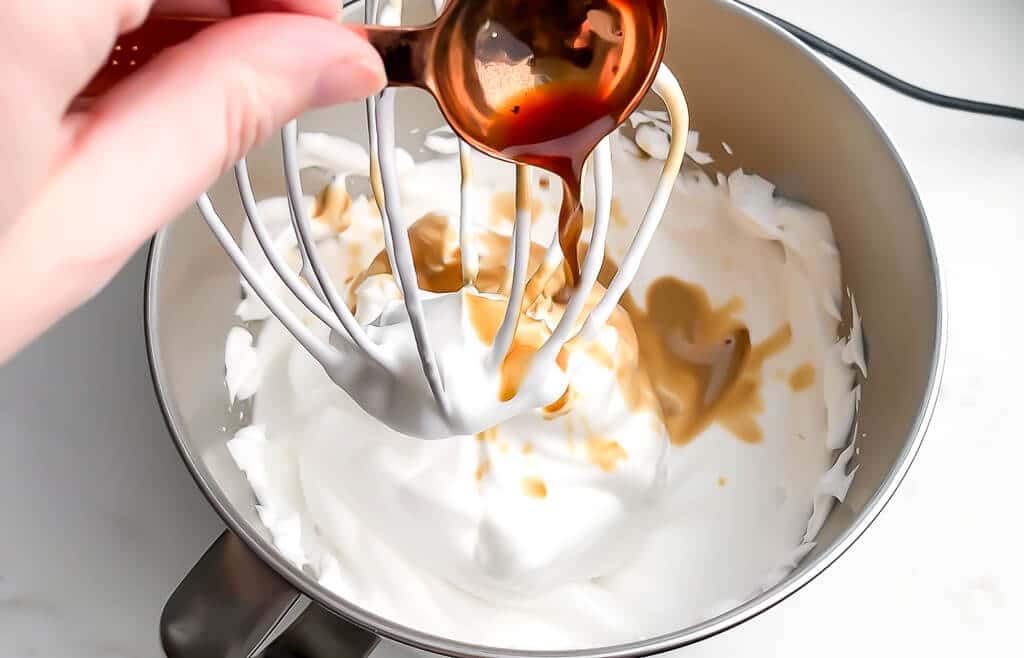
(348, 80)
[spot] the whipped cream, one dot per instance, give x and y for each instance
(704, 420)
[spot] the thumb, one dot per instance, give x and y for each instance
(157, 140)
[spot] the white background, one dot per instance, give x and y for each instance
(99, 520)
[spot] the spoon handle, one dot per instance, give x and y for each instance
(403, 49)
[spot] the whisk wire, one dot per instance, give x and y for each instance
(370, 16)
(594, 260)
(317, 348)
(667, 87)
(467, 250)
(520, 264)
(288, 277)
(304, 234)
(404, 266)
(384, 180)
(305, 268)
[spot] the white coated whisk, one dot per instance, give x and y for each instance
(422, 405)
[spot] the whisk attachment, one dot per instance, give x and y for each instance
(432, 403)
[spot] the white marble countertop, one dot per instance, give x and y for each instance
(100, 519)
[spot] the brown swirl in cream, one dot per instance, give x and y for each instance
(689, 361)
(535, 487)
(700, 360)
(438, 259)
(331, 207)
(604, 453)
(802, 378)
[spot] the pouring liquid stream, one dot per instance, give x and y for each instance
(555, 128)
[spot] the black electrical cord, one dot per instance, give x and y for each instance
(881, 77)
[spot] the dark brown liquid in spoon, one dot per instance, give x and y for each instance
(555, 127)
(591, 62)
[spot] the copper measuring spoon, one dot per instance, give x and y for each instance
(536, 82)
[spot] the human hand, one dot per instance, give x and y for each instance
(82, 190)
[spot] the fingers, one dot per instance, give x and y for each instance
(198, 107)
(82, 35)
(58, 46)
(153, 144)
(323, 8)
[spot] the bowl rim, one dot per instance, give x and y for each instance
(796, 581)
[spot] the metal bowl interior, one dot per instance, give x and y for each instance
(786, 117)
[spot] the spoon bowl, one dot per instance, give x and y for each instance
(541, 83)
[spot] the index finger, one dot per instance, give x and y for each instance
(219, 8)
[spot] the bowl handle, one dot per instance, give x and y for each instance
(233, 605)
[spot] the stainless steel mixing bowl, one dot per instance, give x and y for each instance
(786, 117)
